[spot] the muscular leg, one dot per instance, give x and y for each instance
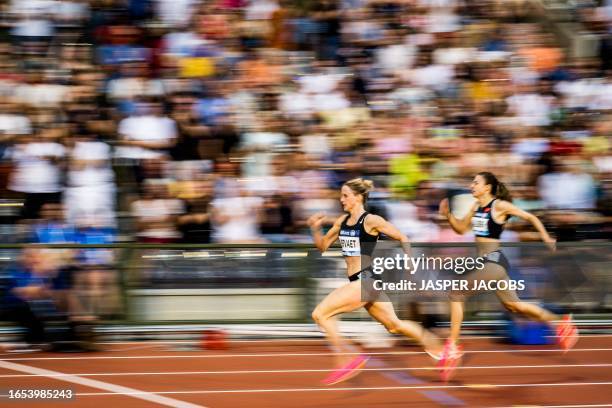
(490, 271)
(508, 298)
(535, 312)
(385, 314)
(456, 312)
(342, 300)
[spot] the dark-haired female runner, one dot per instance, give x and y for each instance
(487, 219)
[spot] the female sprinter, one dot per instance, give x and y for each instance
(358, 232)
(487, 218)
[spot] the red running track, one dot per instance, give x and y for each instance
(287, 374)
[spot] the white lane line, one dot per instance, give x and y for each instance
(268, 355)
(313, 370)
(196, 340)
(113, 388)
(390, 388)
(557, 406)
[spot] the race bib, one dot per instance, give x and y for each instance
(480, 225)
(350, 246)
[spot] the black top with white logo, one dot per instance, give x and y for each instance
(354, 239)
(483, 223)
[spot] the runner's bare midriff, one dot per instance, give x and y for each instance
(353, 264)
(486, 245)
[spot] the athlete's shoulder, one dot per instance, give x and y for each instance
(502, 204)
(373, 219)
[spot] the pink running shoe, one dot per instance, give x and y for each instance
(451, 356)
(348, 371)
(567, 333)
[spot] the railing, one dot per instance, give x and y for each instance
(283, 282)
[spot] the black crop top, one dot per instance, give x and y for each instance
(483, 223)
(354, 239)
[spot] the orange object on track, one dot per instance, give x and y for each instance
(214, 340)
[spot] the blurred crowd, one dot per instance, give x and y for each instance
(234, 120)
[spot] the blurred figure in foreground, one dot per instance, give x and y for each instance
(36, 298)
